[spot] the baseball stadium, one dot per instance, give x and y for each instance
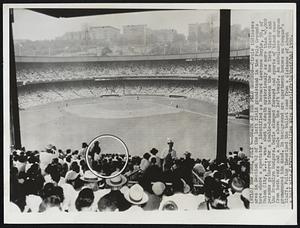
(179, 102)
(142, 99)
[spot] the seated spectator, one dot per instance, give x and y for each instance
(52, 196)
(90, 180)
(51, 204)
(70, 185)
(83, 150)
(235, 154)
(169, 206)
(128, 170)
(217, 200)
(145, 162)
(182, 197)
(46, 158)
(85, 200)
(199, 169)
(17, 193)
(244, 172)
(136, 197)
(74, 167)
(212, 168)
(21, 162)
(34, 180)
(154, 153)
(234, 199)
(230, 155)
(115, 196)
(107, 205)
(71, 176)
(50, 189)
(32, 203)
(187, 166)
(155, 196)
(241, 153)
(30, 161)
(74, 179)
(152, 174)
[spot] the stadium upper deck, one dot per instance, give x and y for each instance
(39, 72)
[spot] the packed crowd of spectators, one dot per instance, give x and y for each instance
(207, 69)
(105, 163)
(238, 100)
(240, 70)
(54, 180)
(48, 93)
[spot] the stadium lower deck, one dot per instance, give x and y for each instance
(142, 122)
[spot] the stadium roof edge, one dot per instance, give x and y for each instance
(72, 12)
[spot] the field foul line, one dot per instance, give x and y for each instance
(201, 114)
(214, 117)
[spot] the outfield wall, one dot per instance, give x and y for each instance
(244, 53)
(128, 78)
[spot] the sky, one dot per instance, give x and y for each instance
(36, 26)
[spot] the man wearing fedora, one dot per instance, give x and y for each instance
(115, 196)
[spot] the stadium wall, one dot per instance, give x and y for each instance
(244, 53)
(128, 78)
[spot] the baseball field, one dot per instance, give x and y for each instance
(142, 122)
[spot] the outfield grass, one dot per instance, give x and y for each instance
(141, 123)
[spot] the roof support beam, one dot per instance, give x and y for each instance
(223, 87)
(14, 106)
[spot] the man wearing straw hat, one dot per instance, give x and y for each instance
(115, 196)
(136, 197)
(94, 182)
(167, 155)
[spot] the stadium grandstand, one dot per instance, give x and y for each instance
(41, 83)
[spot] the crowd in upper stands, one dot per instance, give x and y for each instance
(207, 69)
(238, 94)
(54, 180)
